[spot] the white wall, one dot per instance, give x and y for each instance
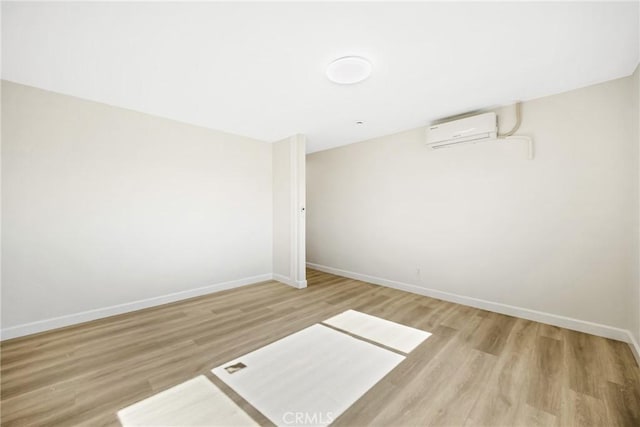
(635, 296)
(288, 212)
(282, 212)
(103, 206)
(553, 235)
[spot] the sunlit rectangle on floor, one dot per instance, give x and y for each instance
(308, 378)
(393, 335)
(197, 402)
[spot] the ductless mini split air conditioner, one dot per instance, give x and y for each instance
(470, 130)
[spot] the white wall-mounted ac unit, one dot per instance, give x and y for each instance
(469, 130)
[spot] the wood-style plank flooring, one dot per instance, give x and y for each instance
(478, 369)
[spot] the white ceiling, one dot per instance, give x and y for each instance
(258, 69)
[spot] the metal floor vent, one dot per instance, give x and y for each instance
(235, 368)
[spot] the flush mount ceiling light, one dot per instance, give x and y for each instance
(349, 70)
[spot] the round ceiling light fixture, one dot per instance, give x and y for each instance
(349, 70)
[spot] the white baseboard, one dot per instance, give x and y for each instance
(635, 347)
(299, 284)
(99, 313)
(525, 313)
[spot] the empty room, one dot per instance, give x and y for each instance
(320, 213)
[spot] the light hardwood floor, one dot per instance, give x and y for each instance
(478, 368)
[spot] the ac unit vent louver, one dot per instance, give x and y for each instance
(469, 130)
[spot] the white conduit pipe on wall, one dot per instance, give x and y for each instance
(509, 136)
